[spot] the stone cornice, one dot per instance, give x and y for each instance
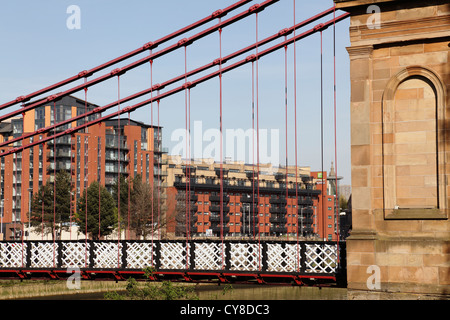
(360, 51)
(402, 30)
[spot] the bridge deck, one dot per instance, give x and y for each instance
(176, 260)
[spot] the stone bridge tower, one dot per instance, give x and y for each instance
(400, 145)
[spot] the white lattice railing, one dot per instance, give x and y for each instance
(236, 256)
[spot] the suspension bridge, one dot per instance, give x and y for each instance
(292, 261)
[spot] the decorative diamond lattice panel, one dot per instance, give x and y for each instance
(107, 255)
(245, 257)
(44, 255)
(209, 256)
(140, 255)
(173, 255)
(12, 255)
(281, 259)
(321, 258)
(75, 254)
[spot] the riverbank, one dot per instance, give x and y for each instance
(15, 289)
(95, 290)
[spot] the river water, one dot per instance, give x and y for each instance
(237, 292)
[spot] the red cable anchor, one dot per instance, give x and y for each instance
(184, 42)
(188, 85)
(251, 58)
(320, 26)
(157, 87)
(52, 97)
(218, 14)
(149, 45)
(84, 74)
(117, 72)
(22, 99)
(255, 8)
(285, 32)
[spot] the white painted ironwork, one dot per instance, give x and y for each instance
(245, 256)
(283, 258)
(107, 255)
(140, 255)
(270, 256)
(321, 258)
(75, 254)
(43, 254)
(174, 255)
(12, 255)
(209, 256)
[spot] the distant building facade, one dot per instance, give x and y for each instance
(97, 153)
(267, 205)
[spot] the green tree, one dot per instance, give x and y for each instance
(42, 210)
(62, 197)
(48, 215)
(123, 198)
(150, 290)
(107, 215)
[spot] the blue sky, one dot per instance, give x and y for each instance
(38, 50)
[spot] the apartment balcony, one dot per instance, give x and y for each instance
(280, 200)
(218, 229)
(115, 170)
(215, 218)
(278, 219)
(65, 140)
(115, 145)
(307, 201)
(278, 210)
(59, 166)
(249, 199)
(245, 209)
(123, 158)
(216, 198)
(59, 154)
(305, 211)
(278, 229)
(213, 208)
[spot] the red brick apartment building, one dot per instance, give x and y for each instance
(275, 208)
(94, 154)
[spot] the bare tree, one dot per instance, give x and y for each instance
(147, 209)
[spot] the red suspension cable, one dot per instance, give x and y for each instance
(286, 125)
(151, 119)
(159, 185)
(257, 146)
(176, 79)
(336, 206)
(321, 134)
(156, 43)
(54, 187)
(296, 146)
(187, 169)
(99, 184)
(118, 169)
(85, 188)
(253, 150)
(180, 88)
